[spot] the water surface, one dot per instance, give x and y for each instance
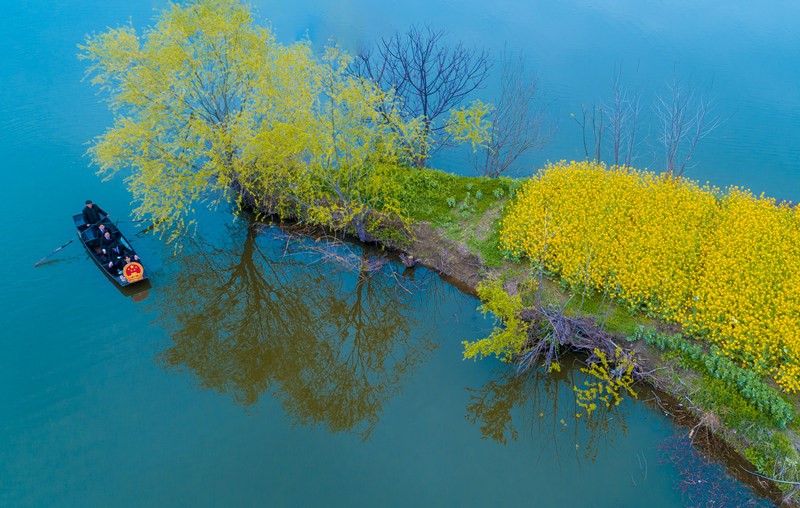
(254, 372)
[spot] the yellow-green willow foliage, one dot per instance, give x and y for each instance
(724, 265)
(503, 342)
(206, 102)
(608, 384)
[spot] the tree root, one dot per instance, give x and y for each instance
(551, 333)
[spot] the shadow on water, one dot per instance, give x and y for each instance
(256, 315)
(137, 292)
(709, 471)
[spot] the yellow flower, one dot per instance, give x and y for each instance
(723, 264)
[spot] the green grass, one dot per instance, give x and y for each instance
(773, 455)
(734, 410)
(443, 198)
(610, 316)
(489, 248)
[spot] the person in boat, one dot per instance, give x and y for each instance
(118, 263)
(108, 242)
(116, 255)
(92, 214)
(103, 227)
(122, 265)
(110, 248)
(130, 258)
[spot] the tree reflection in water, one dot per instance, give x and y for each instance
(331, 345)
(546, 402)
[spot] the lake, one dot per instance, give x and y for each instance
(261, 369)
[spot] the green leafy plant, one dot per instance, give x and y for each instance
(745, 382)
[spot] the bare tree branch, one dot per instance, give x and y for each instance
(517, 122)
(595, 121)
(623, 114)
(430, 76)
(684, 120)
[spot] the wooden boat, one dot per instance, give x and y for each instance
(121, 273)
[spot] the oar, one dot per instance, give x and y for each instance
(47, 256)
(69, 242)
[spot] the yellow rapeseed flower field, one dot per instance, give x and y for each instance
(725, 265)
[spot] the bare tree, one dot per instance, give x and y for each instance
(593, 120)
(517, 121)
(613, 124)
(684, 119)
(430, 76)
(623, 116)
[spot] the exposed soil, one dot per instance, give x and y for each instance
(432, 249)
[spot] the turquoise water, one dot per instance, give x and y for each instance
(256, 374)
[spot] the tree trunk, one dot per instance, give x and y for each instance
(361, 231)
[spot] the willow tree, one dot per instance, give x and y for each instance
(208, 105)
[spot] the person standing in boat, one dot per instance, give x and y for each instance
(92, 213)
